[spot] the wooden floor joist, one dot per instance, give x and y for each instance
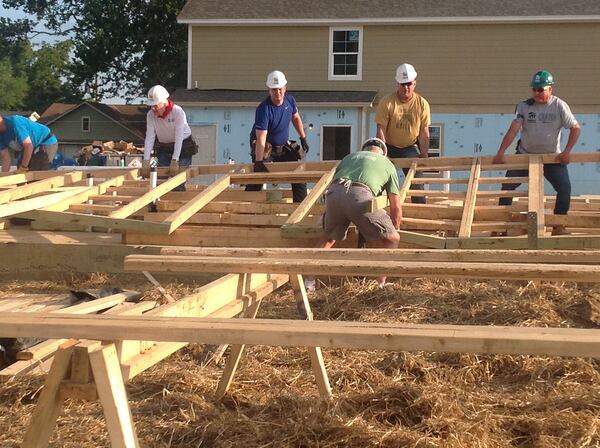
(369, 268)
(326, 334)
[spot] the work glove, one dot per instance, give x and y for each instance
(304, 144)
(145, 171)
(260, 167)
(174, 167)
(22, 169)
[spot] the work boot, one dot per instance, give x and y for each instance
(559, 230)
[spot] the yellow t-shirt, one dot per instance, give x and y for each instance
(402, 121)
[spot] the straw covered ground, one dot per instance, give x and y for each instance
(380, 398)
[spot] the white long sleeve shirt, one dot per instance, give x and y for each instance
(173, 128)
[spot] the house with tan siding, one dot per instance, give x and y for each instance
(474, 58)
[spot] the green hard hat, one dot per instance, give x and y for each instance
(542, 78)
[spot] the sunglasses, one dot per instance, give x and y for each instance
(539, 89)
(407, 84)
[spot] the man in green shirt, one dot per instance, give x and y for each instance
(358, 179)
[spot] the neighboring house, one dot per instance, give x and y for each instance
(474, 59)
(77, 125)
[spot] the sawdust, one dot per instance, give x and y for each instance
(380, 398)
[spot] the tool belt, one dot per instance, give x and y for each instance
(291, 148)
(188, 147)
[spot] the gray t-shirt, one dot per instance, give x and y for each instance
(542, 125)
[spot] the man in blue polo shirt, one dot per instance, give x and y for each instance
(270, 133)
(34, 141)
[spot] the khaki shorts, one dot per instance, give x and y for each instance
(42, 160)
(346, 205)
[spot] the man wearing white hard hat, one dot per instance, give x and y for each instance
(269, 138)
(403, 120)
(168, 134)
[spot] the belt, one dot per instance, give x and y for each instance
(349, 183)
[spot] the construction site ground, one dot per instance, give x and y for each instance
(389, 399)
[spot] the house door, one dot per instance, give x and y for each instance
(205, 136)
(335, 142)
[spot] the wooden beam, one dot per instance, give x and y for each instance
(111, 390)
(177, 218)
(39, 186)
(50, 403)
(327, 334)
(10, 179)
(460, 255)
(311, 199)
(277, 178)
(369, 268)
(470, 200)
(14, 208)
(153, 194)
(106, 222)
(536, 193)
(408, 179)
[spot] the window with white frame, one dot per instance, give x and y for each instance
(435, 140)
(85, 124)
(345, 53)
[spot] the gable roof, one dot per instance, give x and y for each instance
(130, 116)
(254, 97)
(211, 12)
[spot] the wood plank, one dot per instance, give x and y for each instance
(105, 222)
(276, 178)
(327, 334)
(420, 239)
(39, 186)
(177, 218)
(369, 268)
(311, 199)
(536, 193)
(408, 179)
(470, 200)
(315, 353)
(49, 405)
(16, 207)
(152, 195)
(112, 394)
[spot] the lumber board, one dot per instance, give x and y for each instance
(420, 239)
(536, 194)
(369, 268)
(459, 255)
(231, 219)
(240, 207)
(97, 221)
(177, 218)
(152, 195)
(16, 207)
(311, 199)
(408, 179)
(326, 334)
(276, 178)
(39, 187)
(470, 200)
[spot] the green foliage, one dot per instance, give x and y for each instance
(120, 47)
(12, 86)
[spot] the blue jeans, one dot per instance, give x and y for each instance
(164, 159)
(557, 175)
(410, 152)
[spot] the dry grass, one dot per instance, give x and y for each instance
(380, 398)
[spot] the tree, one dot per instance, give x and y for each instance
(13, 87)
(48, 77)
(120, 47)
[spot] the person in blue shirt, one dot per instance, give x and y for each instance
(269, 138)
(35, 142)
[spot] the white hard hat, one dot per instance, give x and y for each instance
(157, 94)
(276, 80)
(405, 73)
(370, 142)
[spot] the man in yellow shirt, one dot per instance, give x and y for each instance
(403, 120)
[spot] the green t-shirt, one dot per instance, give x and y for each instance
(374, 170)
